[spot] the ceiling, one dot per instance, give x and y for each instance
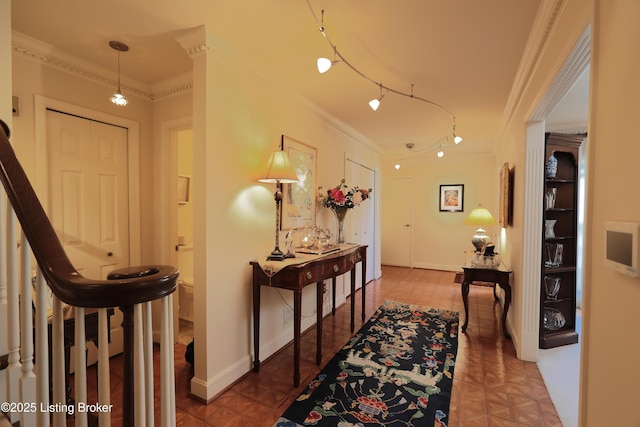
(459, 54)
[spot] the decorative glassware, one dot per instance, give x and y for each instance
(553, 319)
(550, 198)
(340, 213)
(553, 254)
(549, 233)
(552, 287)
(308, 237)
(552, 166)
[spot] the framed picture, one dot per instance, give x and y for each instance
(506, 196)
(298, 199)
(183, 189)
(452, 198)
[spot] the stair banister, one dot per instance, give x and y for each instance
(124, 288)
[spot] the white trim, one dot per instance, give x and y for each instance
(575, 65)
(41, 104)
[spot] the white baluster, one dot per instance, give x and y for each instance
(80, 367)
(167, 380)
(104, 382)
(42, 350)
(138, 366)
(148, 363)
(13, 316)
(28, 378)
(57, 367)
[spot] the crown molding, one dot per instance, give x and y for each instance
(48, 55)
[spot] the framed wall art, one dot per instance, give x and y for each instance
(452, 198)
(506, 196)
(298, 199)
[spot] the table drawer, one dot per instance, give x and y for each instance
(336, 267)
(311, 274)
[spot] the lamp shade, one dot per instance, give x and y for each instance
(480, 217)
(279, 169)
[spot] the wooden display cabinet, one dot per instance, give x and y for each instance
(558, 313)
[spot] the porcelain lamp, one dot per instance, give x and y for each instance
(480, 217)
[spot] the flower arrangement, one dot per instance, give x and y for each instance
(341, 196)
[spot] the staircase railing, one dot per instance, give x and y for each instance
(36, 394)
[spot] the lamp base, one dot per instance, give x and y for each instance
(480, 239)
(278, 255)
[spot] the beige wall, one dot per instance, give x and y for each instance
(610, 370)
(440, 239)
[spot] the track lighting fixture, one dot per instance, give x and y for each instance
(324, 64)
(375, 102)
(118, 98)
(440, 153)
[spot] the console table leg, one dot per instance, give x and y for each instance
(465, 300)
(353, 296)
(363, 289)
(256, 324)
(333, 296)
(319, 295)
(297, 319)
(507, 302)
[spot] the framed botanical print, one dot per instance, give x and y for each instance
(298, 199)
(452, 198)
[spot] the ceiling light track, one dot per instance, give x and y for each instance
(337, 54)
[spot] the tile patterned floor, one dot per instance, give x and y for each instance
(491, 386)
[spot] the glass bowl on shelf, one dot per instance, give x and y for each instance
(553, 319)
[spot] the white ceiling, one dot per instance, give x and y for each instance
(460, 54)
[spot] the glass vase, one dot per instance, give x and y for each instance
(549, 232)
(551, 287)
(340, 212)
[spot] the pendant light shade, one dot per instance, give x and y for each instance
(118, 98)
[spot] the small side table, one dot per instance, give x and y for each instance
(495, 276)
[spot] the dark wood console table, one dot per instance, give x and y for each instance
(295, 276)
(499, 276)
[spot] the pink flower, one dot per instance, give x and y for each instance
(337, 195)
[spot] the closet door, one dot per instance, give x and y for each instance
(360, 221)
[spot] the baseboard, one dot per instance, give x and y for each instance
(443, 267)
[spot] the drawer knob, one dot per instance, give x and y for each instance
(359, 255)
(309, 275)
(336, 268)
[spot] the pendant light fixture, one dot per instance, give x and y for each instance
(118, 98)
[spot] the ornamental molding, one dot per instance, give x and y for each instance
(46, 54)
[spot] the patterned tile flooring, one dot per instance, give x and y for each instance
(491, 386)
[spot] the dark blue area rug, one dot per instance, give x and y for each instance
(396, 371)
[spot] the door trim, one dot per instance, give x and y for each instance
(41, 105)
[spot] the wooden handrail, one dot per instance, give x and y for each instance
(123, 288)
(146, 284)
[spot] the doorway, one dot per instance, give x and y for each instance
(396, 234)
(560, 367)
(86, 180)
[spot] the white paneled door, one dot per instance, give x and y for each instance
(396, 222)
(88, 196)
(360, 221)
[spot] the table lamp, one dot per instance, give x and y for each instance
(279, 171)
(480, 217)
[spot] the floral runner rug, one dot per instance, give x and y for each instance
(397, 370)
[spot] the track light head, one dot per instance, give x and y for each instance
(440, 153)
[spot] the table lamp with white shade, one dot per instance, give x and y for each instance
(279, 171)
(480, 217)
